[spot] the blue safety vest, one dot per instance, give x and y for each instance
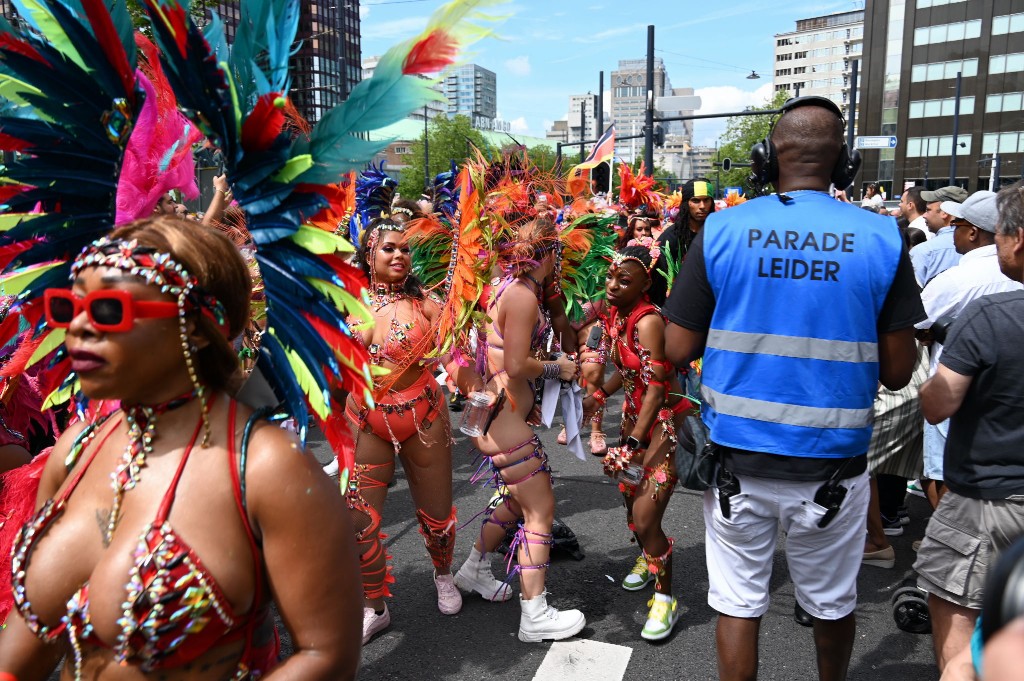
(791, 365)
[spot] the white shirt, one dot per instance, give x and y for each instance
(872, 202)
(919, 223)
(977, 275)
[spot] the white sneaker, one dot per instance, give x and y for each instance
(332, 469)
(374, 622)
(639, 576)
(449, 600)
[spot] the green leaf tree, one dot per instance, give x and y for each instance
(741, 133)
(451, 139)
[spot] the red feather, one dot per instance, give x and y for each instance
(336, 430)
(8, 143)
(176, 21)
(263, 125)
(9, 253)
(16, 364)
(110, 41)
(51, 379)
(431, 54)
(12, 44)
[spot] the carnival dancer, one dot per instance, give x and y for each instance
(149, 322)
(407, 418)
(653, 411)
(513, 339)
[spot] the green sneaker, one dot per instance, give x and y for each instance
(661, 619)
(639, 576)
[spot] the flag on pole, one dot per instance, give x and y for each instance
(603, 152)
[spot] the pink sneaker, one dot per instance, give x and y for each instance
(449, 600)
(374, 623)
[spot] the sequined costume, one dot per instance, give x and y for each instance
(174, 610)
(397, 415)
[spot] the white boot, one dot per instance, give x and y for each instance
(475, 575)
(540, 621)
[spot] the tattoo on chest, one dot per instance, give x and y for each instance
(103, 522)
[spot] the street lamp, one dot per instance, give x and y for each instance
(753, 76)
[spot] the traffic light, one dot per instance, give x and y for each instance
(659, 136)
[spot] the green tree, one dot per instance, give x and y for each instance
(451, 139)
(544, 157)
(741, 133)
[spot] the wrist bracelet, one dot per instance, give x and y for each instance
(551, 371)
(599, 396)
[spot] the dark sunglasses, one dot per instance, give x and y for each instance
(111, 310)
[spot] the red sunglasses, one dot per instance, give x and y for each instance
(110, 310)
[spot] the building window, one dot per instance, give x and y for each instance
(924, 4)
(401, 150)
(943, 70)
(1002, 142)
(929, 108)
(1011, 23)
(784, 57)
(800, 55)
(938, 146)
(943, 33)
(1006, 63)
(1007, 101)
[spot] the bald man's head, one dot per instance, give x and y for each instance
(807, 141)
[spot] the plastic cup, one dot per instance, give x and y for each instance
(475, 412)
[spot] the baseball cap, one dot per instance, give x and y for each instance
(950, 193)
(698, 188)
(952, 208)
(980, 210)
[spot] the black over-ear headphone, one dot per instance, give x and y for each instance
(764, 163)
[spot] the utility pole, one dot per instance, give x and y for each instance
(426, 152)
(583, 125)
(600, 106)
(649, 129)
(956, 131)
(851, 119)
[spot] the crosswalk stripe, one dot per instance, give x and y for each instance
(584, 660)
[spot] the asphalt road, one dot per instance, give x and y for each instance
(480, 642)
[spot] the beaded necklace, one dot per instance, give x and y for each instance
(141, 420)
(385, 294)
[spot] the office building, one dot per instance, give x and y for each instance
(585, 106)
(629, 102)
(816, 58)
(558, 132)
(914, 50)
(472, 91)
(327, 64)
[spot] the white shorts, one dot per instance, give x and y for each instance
(823, 562)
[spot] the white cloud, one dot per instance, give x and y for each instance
(519, 125)
(364, 11)
(724, 99)
(518, 66)
(397, 29)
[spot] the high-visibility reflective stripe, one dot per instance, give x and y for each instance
(789, 414)
(793, 346)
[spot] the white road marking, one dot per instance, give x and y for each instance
(583, 660)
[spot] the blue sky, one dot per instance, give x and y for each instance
(547, 50)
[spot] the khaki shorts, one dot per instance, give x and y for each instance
(962, 540)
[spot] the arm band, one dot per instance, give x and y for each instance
(599, 396)
(551, 371)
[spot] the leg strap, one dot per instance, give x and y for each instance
(374, 561)
(439, 538)
(656, 564)
(522, 540)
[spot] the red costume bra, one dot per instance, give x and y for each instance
(174, 611)
(632, 359)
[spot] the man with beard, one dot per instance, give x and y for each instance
(698, 203)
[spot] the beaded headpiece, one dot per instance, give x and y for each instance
(646, 242)
(161, 270)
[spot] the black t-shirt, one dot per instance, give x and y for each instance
(692, 304)
(984, 457)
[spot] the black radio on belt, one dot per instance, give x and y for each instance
(728, 486)
(830, 496)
